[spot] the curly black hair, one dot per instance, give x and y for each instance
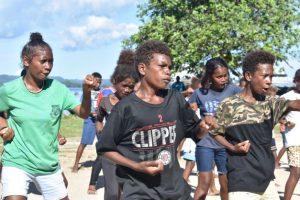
(254, 58)
(97, 75)
(144, 52)
(36, 41)
(126, 57)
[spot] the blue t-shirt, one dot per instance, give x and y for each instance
(208, 101)
(178, 86)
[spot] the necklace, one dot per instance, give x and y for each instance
(31, 90)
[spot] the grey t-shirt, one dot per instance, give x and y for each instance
(208, 101)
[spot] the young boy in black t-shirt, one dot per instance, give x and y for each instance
(144, 129)
(246, 121)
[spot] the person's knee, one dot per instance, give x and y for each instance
(204, 180)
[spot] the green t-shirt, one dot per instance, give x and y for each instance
(35, 119)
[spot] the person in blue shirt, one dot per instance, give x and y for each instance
(215, 88)
(178, 85)
(89, 126)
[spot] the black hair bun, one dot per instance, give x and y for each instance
(36, 36)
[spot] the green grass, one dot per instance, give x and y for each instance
(71, 126)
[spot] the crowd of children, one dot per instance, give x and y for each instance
(140, 124)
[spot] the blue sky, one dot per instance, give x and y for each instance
(85, 35)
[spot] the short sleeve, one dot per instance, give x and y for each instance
(101, 113)
(70, 101)
(111, 132)
(193, 98)
(222, 117)
(279, 106)
(3, 99)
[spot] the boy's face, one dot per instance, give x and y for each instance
(158, 73)
(261, 79)
(97, 82)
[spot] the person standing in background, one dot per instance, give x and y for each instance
(178, 85)
(89, 124)
(123, 79)
(215, 88)
(292, 138)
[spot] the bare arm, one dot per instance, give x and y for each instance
(148, 167)
(294, 105)
(84, 109)
(99, 126)
(242, 147)
(207, 123)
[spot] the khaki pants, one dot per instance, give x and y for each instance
(270, 194)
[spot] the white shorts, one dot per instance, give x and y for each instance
(16, 181)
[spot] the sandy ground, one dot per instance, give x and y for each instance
(78, 182)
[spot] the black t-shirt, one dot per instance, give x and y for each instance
(238, 121)
(143, 132)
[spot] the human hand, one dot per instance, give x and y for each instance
(62, 140)
(89, 83)
(208, 122)
(290, 124)
(150, 167)
(7, 133)
(242, 147)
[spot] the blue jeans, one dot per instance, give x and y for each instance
(206, 157)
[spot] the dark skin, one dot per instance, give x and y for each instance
(256, 87)
(38, 67)
(258, 82)
(218, 80)
(155, 76)
(123, 89)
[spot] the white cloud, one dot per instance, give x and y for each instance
(95, 31)
(80, 19)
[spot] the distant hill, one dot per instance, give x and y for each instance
(68, 82)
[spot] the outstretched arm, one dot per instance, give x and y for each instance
(148, 167)
(294, 105)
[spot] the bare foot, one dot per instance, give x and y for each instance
(75, 169)
(213, 192)
(92, 189)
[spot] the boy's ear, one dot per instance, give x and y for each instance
(248, 76)
(142, 68)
